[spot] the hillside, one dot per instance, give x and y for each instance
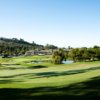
(16, 42)
(16, 46)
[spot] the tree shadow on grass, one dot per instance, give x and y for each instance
(50, 74)
(14, 67)
(37, 67)
(69, 72)
(5, 81)
(88, 90)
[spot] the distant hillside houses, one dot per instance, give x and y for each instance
(38, 52)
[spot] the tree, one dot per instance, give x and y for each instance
(72, 54)
(58, 56)
(50, 46)
(97, 53)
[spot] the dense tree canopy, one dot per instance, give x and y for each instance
(58, 56)
(85, 54)
(18, 47)
(76, 54)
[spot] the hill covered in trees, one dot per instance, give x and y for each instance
(18, 47)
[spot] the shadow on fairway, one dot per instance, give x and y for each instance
(37, 67)
(15, 66)
(88, 90)
(11, 78)
(63, 73)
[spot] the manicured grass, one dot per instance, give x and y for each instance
(23, 59)
(48, 79)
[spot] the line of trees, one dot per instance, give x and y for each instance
(18, 47)
(76, 54)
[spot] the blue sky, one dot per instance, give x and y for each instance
(63, 23)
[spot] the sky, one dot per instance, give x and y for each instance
(63, 23)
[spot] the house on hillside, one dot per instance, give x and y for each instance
(38, 52)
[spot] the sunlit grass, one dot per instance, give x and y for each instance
(21, 78)
(46, 74)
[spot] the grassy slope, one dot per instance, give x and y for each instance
(43, 75)
(80, 78)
